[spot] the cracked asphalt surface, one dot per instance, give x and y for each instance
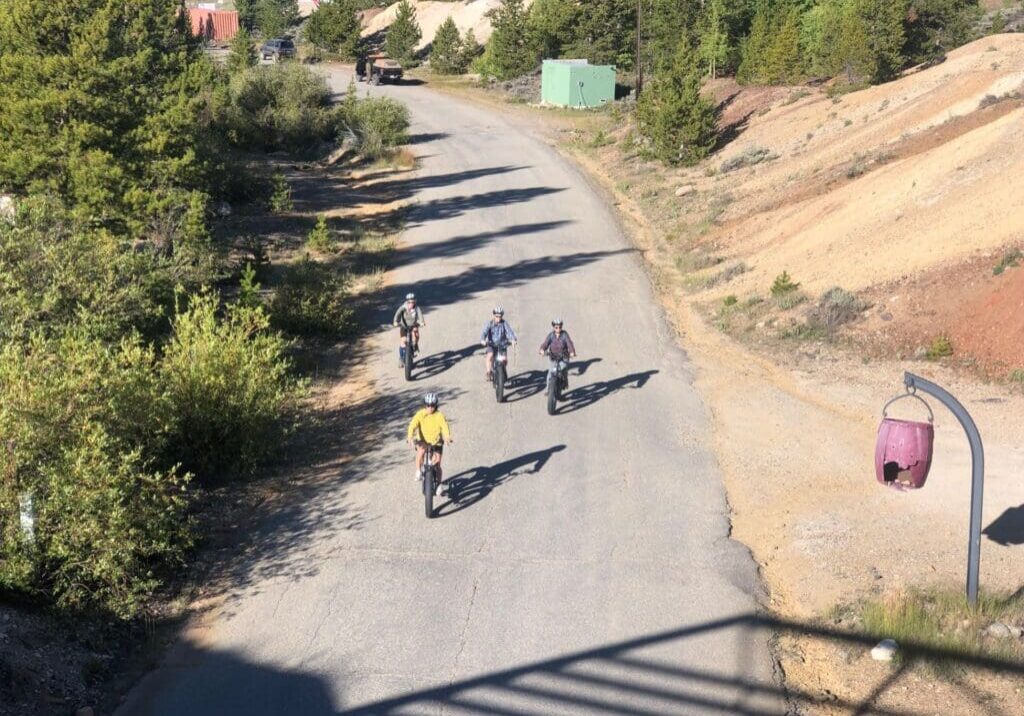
(584, 564)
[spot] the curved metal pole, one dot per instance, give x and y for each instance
(913, 383)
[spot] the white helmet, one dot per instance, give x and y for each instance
(430, 400)
(410, 297)
(498, 311)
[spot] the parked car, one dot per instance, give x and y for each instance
(277, 49)
(381, 69)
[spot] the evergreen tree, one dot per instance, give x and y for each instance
(104, 104)
(334, 27)
(605, 33)
(667, 24)
(551, 25)
(404, 34)
(275, 17)
(446, 51)
(470, 50)
(714, 39)
(246, 10)
(243, 53)
(852, 57)
(883, 20)
(509, 49)
(672, 114)
(753, 66)
(782, 62)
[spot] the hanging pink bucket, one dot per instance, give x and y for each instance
(903, 450)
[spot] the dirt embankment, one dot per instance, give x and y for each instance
(467, 14)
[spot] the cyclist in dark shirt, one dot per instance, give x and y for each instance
(558, 346)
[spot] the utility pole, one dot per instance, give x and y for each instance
(639, 48)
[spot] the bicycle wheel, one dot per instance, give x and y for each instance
(408, 360)
(499, 382)
(428, 490)
(552, 394)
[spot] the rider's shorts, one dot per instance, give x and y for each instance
(439, 448)
(403, 330)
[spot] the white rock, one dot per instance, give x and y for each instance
(685, 189)
(1016, 632)
(998, 630)
(885, 650)
(7, 208)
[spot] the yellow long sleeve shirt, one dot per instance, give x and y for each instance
(429, 427)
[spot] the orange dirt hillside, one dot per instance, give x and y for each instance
(922, 176)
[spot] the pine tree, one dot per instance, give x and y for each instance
(672, 114)
(551, 24)
(753, 66)
(404, 34)
(470, 50)
(103, 104)
(275, 17)
(243, 53)
(246, 10)
(714, 39)
(334, 27)
(605, 32)
(446, 50)
(852, 57)
(509, 48)
(883, 20)
(782, 60)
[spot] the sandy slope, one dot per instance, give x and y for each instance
(468, 14)
(866, 189)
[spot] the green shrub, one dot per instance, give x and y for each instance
(82, 420)
(940, 347)
(375, 124)
(730, 300)
(404, 34)
(319, 239)
(1017, 376)
(312, 300)
(281, 196)
(1011, 259)
(284, 106)
(229, 387)
(783, 285)
(835, 308)
(53, 269)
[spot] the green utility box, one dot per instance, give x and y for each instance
(576, 83)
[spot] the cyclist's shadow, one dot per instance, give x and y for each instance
(470, 486)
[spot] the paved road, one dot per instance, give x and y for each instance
(586, 566)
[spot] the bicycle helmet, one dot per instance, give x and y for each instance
(430, 400)
(410, 297)
(498, 311)
(556, 322)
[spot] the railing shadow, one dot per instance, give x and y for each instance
(632, 676)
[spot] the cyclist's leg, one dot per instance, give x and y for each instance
(420, 452)
(415, 338)
(490, 360)
(438, 454)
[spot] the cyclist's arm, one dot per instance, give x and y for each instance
(484, 334)
(511, 334)
(398, 315)
(414, 425)
(446, 432)
(419, 316)
(572, 348)
(546, 344)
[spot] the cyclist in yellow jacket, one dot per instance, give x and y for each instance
(429, 427)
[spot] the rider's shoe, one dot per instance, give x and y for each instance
(441, 490)
(417, 475)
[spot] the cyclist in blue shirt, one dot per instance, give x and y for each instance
(496, 334)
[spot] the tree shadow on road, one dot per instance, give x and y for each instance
(470, 486)
(525, 385)
(587, 395)
(438, 363)
(461, 245)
